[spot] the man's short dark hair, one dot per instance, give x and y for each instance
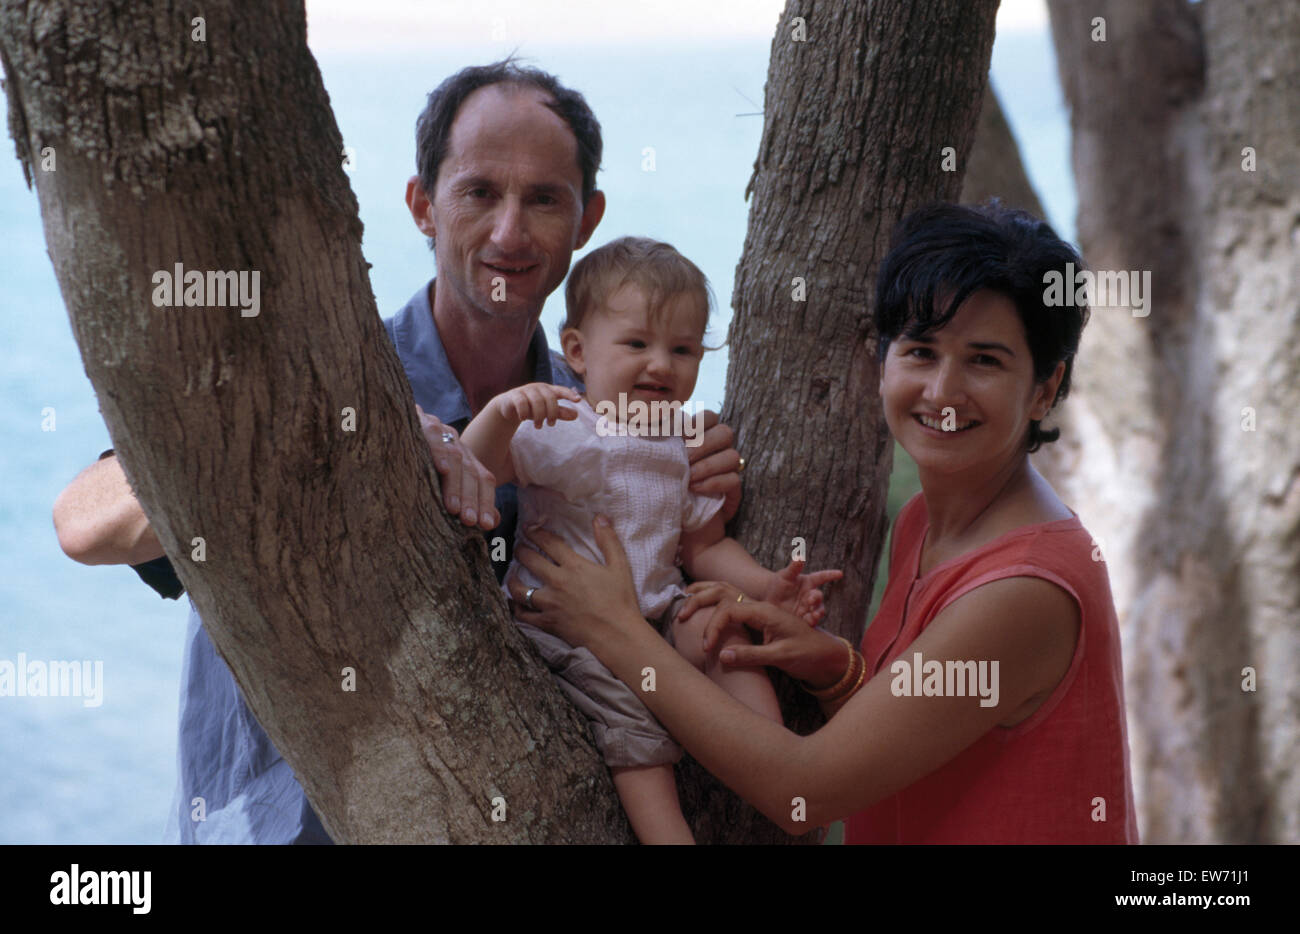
(952, 251)
(433, 128)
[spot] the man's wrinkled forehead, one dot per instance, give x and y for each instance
(510, 125)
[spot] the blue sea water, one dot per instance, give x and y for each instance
(105, 774)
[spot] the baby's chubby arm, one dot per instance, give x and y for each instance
(708, 554)
(488, 435)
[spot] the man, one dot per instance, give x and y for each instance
(507, 161)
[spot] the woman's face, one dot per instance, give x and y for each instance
(972, 382)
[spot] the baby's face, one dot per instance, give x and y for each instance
(623, 349)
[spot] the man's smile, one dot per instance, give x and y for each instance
(511, 269)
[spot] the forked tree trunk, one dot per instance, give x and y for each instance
(326, 549)
(857, 119)
(1179, 437)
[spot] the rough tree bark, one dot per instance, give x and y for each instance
(1186, 123)
(856, 121)
(325, 548)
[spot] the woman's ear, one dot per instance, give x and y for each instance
(1045, 393)
(571, 342)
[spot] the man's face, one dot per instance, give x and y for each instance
(507, 209)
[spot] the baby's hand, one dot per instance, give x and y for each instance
(799, 593)
(536, 402)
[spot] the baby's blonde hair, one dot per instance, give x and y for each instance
(656, 267)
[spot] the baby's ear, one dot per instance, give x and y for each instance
(571, 342)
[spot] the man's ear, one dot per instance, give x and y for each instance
(571, 341)
(591, 216)
(417, 202)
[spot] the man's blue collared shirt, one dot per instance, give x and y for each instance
(248, 792)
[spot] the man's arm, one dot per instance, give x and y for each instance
(99, 521)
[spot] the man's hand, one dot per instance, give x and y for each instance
(715, 464)
(468, 488)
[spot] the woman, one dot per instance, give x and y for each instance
(986, 704)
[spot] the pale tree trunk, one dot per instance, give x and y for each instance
(856, 122)
(326, 549)
(1178, 446)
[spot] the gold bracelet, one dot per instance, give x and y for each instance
(842, 696)
(852, 675)
(857, 684)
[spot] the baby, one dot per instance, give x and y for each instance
(637, 314)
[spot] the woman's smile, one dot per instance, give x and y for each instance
(935, 425)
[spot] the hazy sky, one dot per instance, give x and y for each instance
(337, 25)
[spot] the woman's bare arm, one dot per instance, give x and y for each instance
(876, 745)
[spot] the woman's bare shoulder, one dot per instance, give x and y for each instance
(1035, 503)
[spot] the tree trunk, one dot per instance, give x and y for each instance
(325, 550)
(994, 169)
(1176, 450)
(856, 121)
(277, 455)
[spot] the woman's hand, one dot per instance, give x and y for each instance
(579, 600)
(812, 656)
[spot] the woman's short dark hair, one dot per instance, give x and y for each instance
(433, 127)
(953, 251)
